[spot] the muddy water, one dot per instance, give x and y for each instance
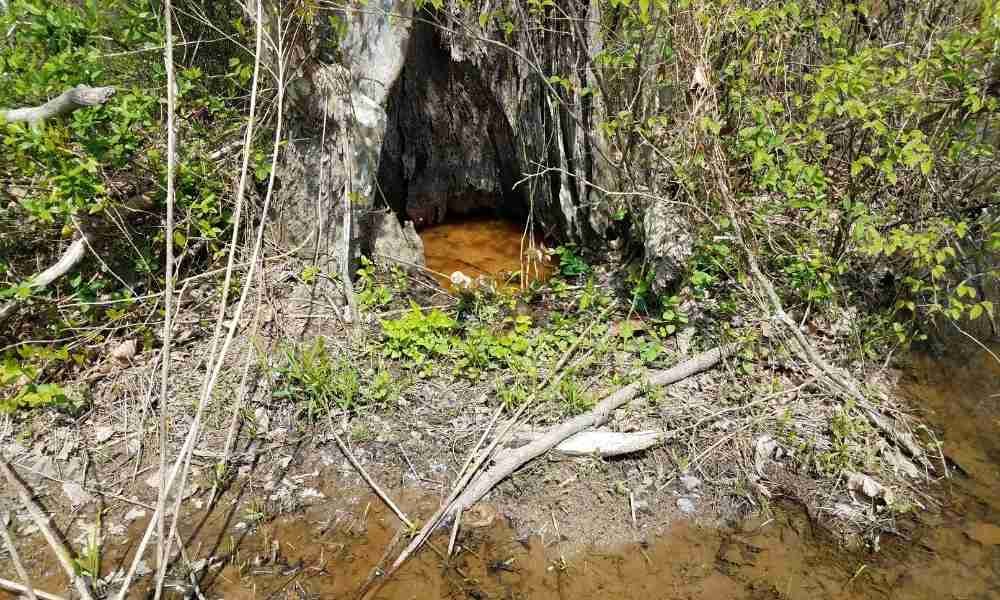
(330, 550)
(490, 247)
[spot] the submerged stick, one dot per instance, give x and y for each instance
(41, 520)
(15, 558)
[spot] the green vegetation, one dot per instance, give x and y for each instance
(99, 171)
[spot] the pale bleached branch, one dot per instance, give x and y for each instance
(79, 97)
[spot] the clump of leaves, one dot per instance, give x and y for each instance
(571, 264)
(372, 293)
(483, 348)
(20, 385)
(419, 336)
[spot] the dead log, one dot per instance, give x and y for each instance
(601, 443)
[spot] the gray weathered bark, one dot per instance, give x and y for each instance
(445, 115)
(79, 97)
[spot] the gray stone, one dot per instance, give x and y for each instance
(395, 242)
(686, 506)
(690, 483)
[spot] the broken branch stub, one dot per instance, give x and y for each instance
(79, 97)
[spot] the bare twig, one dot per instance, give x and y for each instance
(368, 479)
(162, 544)
(17, 588)
(215, 360)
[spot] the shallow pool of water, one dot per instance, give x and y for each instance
(495, 248)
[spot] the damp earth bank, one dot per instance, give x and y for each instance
(331, 548)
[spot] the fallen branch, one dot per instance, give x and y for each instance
(41, 520)
(515, 459)
(599, 442)
(29, 589)
(476, 459)
(79, 97)
(17, 588)
(66, 263)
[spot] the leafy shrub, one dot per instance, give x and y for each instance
(419, 336)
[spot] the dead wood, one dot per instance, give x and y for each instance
(42, 521)
(66, 263)
(600, 442)
(513, 460)
(79, 97)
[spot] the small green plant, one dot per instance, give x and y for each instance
(484, 349)
(672, 318)
(384, 388)
(372, 294)
(88, 562)
(20, 387)
(255, 512)
(419, 336)
(573, 395)
(318, 382)
(570, 263)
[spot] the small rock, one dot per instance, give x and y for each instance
(686, 506)
(262, 420)
(124, 352)
(142, 569)
(76, 494)
(690, 482)
(103, 433)
(867, 485)
(764, 448)
(312, 493)
(68, 447)
(135, 513)
(153, 480)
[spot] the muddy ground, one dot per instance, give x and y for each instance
(698, 517)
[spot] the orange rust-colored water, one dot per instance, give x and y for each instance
(329, 550)
(489, 247)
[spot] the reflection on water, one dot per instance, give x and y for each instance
(329, 550)
(490, 247)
